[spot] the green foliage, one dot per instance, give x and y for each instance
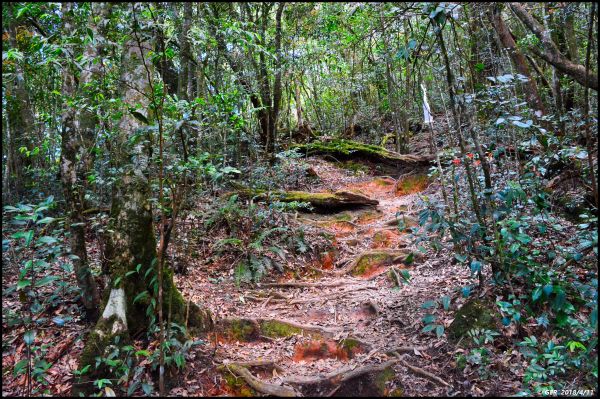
(519, 241)
(36, 246)
(257, 235)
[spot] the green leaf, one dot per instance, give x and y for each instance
(28, 237)
(29, 337)
(439, 330)
(141, 117)
(46, 240)
(428, 328)
(460, 258)
(429, 318)
(45, 281)
(23, 283)
(537, 293)
(117, 281)
(446, 302)
(20, 366)
(142, 352)
(46, 220)
(405, 275)
(429, 305)
(475, 266)
(140, 296)
(102, 382)
(147, 388)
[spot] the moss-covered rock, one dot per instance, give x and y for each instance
(475, 313)
(371, 262)
(248, 330)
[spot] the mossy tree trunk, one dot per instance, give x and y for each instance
(132, 241)
(78, 126)
(20, 121)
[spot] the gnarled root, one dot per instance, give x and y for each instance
(258, 385)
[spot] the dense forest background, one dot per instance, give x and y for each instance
(176, 174)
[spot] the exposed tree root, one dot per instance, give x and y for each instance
(258, 299)
(257, 363)
(423, 373)
(303, 284)
(405, 349)
(249, 329)
(396, 276)
(258, 385)
(341, 375)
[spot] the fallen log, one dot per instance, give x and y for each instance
(345, 149)
(321, 201)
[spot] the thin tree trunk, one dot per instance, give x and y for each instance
(78, 126)
(20, 120)
(550, 53)
(519, 60)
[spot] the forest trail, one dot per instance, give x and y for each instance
(329, 333)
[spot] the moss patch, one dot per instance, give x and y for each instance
(412, 184)
(240, 329)
(475, 313)
(370, 262)
(343, 217)
(384, 239)
(383, 182)
(234, 385)
(274, 329)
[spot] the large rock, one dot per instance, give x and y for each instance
(370, 263)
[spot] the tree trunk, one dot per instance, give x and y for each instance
(131, 247)
(533, 97)
(550, 53)
(572, 50)
(274, 114)
(185, 81)
(298, 104)
(78, 126)
(20, 120)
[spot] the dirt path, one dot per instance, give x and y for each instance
(335, 334)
